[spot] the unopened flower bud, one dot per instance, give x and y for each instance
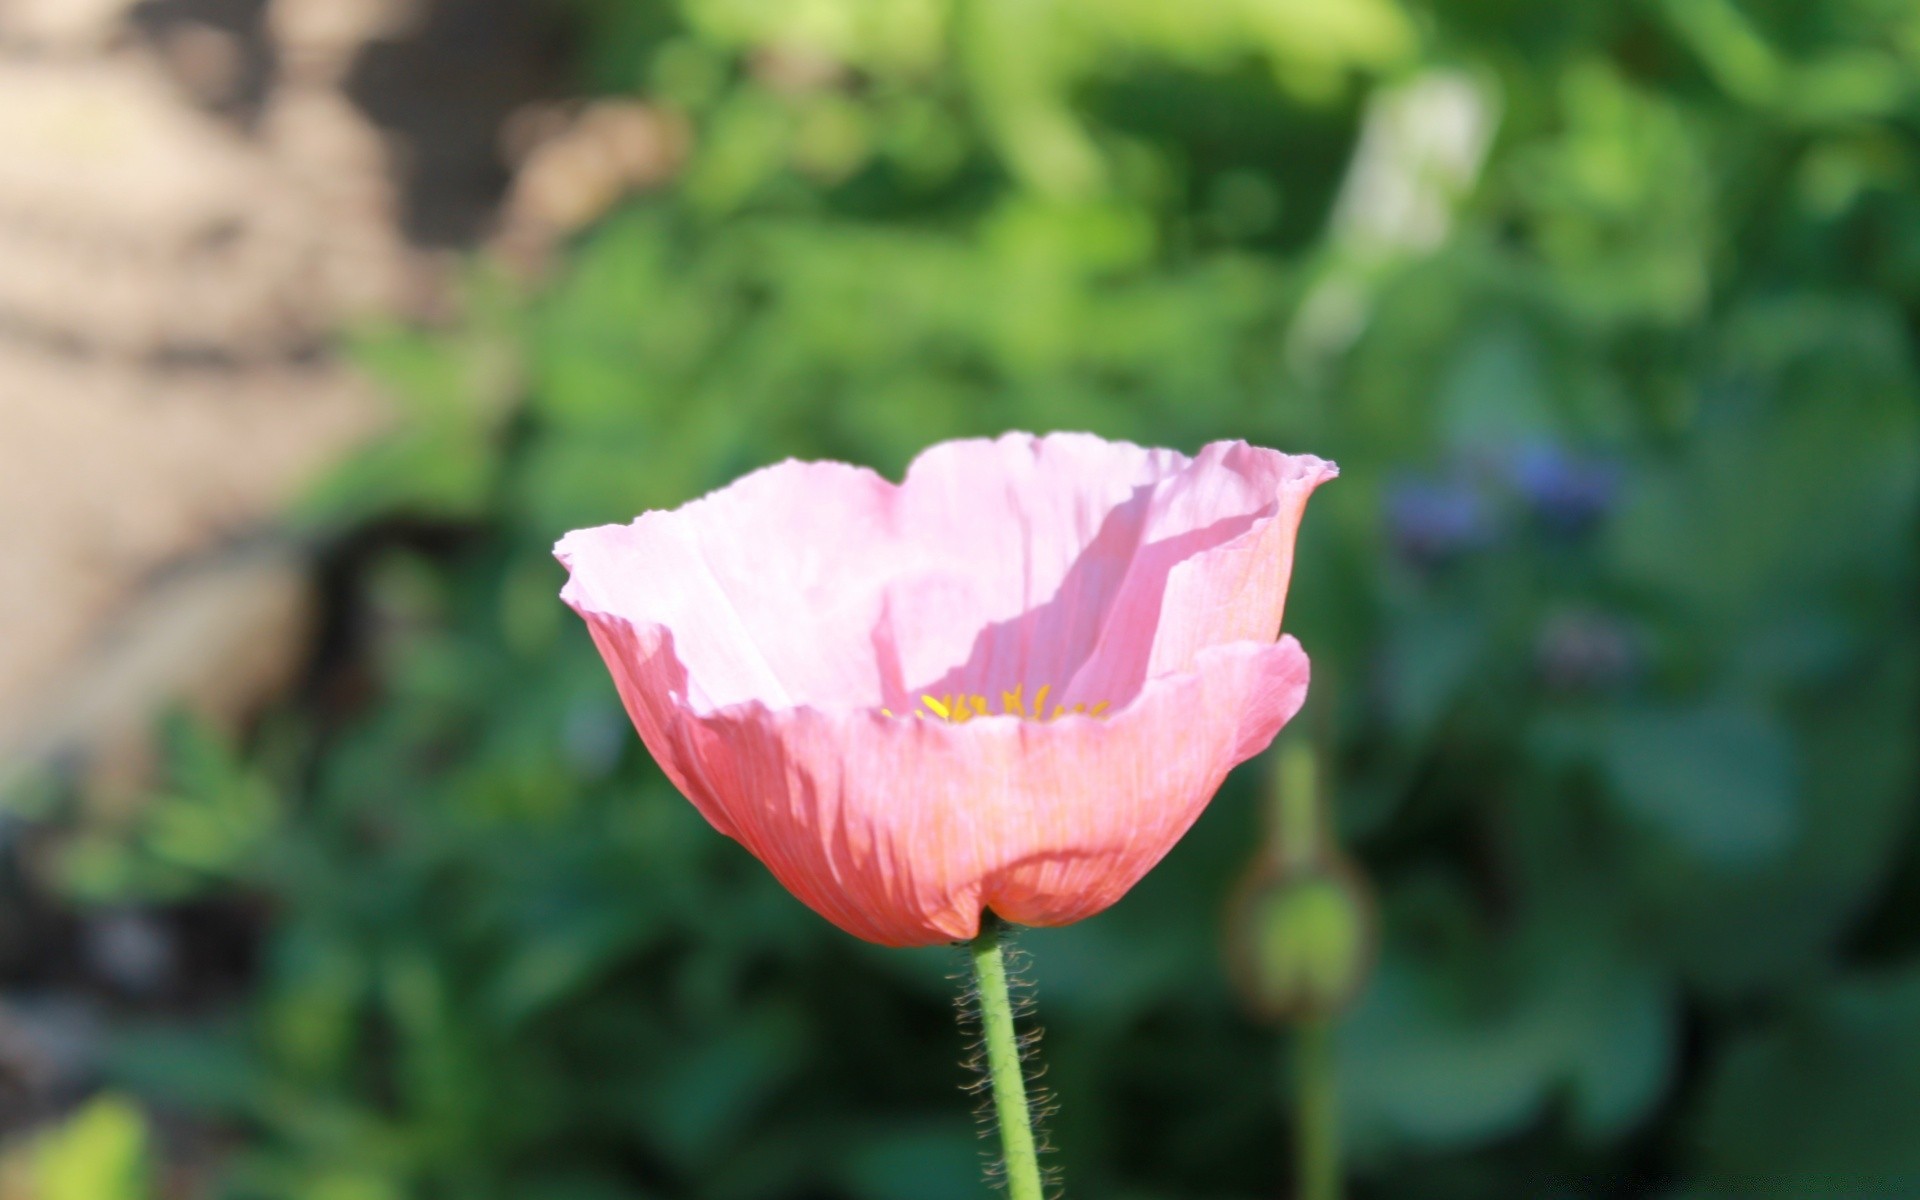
(1300, 942)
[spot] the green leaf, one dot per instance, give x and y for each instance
(1444, 1053)
(1823, 1099)
(100, 1153)
(1495, 396)
(1720, 780)
(941, 1160)
(716, 1087)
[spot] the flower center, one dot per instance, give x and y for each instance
(964, 707)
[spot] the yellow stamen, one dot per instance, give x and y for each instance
(959, 708)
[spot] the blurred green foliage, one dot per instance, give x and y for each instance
(1607, 311)
(99, 1153)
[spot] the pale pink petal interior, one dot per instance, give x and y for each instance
(1016, 562)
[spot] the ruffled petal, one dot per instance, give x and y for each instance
(770, 586)
(902, 831)
(1215, 557)
(757, 636)
(1019, 561)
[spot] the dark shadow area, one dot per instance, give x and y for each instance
(443, 93)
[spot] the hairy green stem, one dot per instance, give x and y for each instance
(1003, 1063)
(1316, 1111)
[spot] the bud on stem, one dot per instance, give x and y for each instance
(1300, 944)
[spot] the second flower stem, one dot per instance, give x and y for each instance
(1007, 1076)
(1317, 1111)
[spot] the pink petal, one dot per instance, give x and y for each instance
(755, 634)
(1021, 560)
(771, 586)
(902, 831)
(1215, 557)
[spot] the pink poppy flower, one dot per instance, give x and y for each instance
(1012, 681)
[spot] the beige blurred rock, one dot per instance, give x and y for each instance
(109, 145)
(575, 167)
(340, 171)
(797, 69)
(64, 24)
(114, 472)
(208, 62)
(131, 221)
(213, 637)
(318, 38)
(171, 286)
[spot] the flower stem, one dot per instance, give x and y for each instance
(1316, 1111)
(1003, 1063)
(1303, 838)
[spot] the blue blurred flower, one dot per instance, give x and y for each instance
(1569, 493)
(1433, 521)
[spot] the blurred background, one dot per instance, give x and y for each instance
(331, 870)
